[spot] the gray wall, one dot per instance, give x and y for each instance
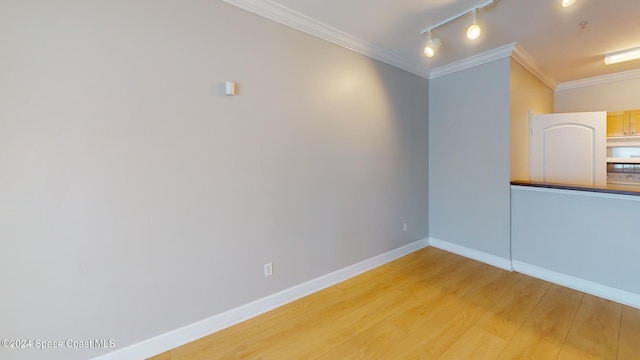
(578, 234)
(611, 96)
(469, 158)
(136, 199)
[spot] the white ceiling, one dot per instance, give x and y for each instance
(548, 32)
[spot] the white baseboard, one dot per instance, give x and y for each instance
(484, 257)
(589, 287)
(191, 332)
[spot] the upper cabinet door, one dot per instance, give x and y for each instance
(634, 122)
(623, 123)
(569, 148)
(617, 123)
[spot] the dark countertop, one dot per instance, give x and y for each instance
(609, 189)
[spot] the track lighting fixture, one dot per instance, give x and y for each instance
(432, 45)
(567, 3)
(473, 32)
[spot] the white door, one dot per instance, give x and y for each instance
(569, 148)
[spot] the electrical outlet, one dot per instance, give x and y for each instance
(404, 227)
(268, 269)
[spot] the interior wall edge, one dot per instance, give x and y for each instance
(589, 287)
(493, 260)
(525, 59)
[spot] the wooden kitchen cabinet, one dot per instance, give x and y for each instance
(617, 123)
(634, 122)
(623, 123)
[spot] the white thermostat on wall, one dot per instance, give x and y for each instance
(230, 88)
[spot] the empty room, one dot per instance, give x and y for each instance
(306, 179)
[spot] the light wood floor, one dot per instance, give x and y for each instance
(432, 305)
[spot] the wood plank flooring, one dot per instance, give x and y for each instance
(432, 305)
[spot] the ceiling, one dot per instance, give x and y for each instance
(561, 49)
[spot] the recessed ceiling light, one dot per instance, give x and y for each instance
(567, 3)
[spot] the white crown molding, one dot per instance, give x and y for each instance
(598, 80)
(301, 22)
(485, 57)
(528, 62)
(515, 50)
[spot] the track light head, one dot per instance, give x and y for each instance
(432, 45)
(473, 32)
